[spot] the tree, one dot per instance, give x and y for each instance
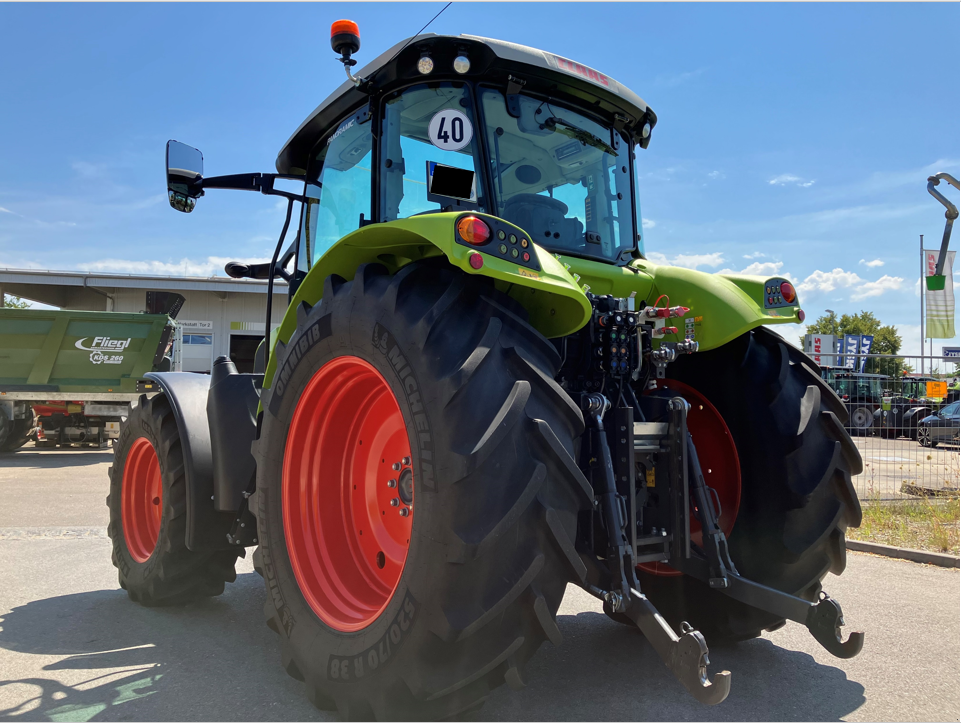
(886, 339)
(14, 302)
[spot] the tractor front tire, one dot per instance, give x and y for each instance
(797, 498)
(417, 495)
(148, 514)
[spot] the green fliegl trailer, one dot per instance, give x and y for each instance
(483, 391)
(70, 376)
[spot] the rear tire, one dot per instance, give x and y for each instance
(495, 488)
(796, 493)
(861, 420)
(151, 556)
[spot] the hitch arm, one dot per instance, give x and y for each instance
(823, 619)
(685, 656)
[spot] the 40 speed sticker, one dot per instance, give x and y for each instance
(450, 130)
(357, 666)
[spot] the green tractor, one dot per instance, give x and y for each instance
(482, 391)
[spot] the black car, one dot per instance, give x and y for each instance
(940, 427)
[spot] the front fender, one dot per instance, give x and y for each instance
(555, 303)
(722, 307)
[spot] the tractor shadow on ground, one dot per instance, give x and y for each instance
(110, 659)
(608, 671)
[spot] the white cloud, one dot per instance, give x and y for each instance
(876, 288)
(716, 175)
(829, 280)
(689, 261)
(873, 264)
(760, 268)
(788, 178)
(211, 266)
(647, 223)
(755, 255)
(783, 179)
(678, 78)
(763, 268)
(6, 210)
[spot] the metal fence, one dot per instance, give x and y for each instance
(904, 422)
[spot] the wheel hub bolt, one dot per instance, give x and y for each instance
(396, 466)
(405, 461)
(395, 502)
(404, 512)
(392, 483)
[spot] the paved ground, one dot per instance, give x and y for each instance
(72, 647)
(891, 463)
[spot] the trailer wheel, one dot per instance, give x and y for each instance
(14, 434)
(796, 495)
(417, 495)
(148, 514)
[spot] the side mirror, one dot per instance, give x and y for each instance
(185, 175)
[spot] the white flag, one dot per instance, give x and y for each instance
(940, 304)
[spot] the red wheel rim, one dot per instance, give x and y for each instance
(719, 462)
(141, 499)
(347, 493)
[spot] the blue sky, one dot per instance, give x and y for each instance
(792, 138)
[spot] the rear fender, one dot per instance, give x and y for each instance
(722, 306)
(555, 303)
(206, 527)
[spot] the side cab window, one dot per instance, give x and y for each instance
(429, 152)
(338, 188)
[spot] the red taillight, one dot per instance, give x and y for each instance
(787, 292)
(473, 230)
(476, 261)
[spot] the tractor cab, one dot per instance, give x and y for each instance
(462, 123)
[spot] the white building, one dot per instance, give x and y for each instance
(220, 315)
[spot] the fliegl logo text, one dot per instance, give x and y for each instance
(103, 349)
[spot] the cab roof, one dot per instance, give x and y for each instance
(492, 61)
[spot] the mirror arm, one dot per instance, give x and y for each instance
(263, 182)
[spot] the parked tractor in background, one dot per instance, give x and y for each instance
(861, 393)
(483, 391)
(906, 402)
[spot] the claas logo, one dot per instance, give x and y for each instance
(570, 66)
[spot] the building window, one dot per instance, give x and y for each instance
(198, 339)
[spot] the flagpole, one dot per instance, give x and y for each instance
(922, 303)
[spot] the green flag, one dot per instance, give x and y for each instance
(940, 303)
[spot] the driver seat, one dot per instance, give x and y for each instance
(545, 219)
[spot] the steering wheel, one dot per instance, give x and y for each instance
(535, 199)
